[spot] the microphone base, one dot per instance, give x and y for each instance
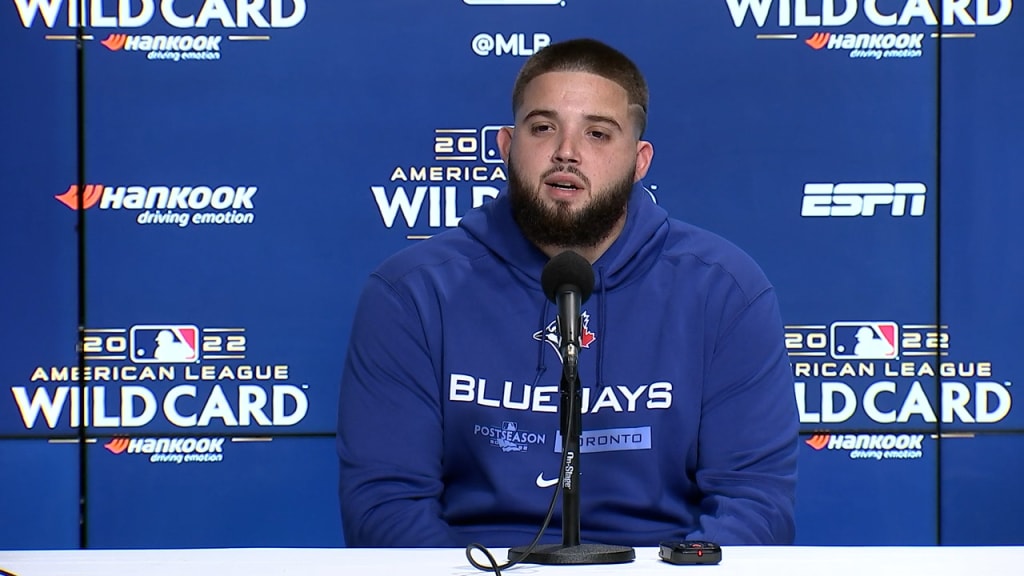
(581, 554)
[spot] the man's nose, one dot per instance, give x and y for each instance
(567, 151)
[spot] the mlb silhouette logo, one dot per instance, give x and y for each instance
(164, 343)
(865, 340)
(509, 426)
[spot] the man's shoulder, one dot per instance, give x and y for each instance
(693, 245)
(449, 249)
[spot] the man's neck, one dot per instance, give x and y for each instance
(591, 253)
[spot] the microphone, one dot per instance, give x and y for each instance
(568, 281)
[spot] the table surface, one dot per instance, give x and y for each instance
(736, 561)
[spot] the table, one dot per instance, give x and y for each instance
(737, 561)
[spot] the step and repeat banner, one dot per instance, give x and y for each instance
(249, 162)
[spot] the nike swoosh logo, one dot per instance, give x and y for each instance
(542, 483)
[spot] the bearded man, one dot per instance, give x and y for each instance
(448, 424)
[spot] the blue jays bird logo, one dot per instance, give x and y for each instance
(551, 336)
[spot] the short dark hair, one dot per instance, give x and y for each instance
(587, 55)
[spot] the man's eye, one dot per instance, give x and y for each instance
(598, 134)
(541, 128)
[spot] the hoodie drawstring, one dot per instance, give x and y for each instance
(602, 309)
(541, 367)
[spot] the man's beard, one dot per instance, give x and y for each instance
(559, 225)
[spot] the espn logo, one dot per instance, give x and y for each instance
(166, 343)
(851, 199)
(865, 340)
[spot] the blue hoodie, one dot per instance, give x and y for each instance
(448, 428)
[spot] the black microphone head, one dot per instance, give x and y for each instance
(567, 268)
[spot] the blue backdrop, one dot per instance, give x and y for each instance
(248, 163)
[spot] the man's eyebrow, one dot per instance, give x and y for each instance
(604, 120)
(551, 114)
(540, 112)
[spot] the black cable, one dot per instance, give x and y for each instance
(494, 567)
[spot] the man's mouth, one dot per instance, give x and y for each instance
(565, 183)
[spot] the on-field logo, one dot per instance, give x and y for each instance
(871, 446)
(178, 205)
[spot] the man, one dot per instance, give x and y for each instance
(448, 424)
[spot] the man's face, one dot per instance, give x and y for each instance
(573, 158)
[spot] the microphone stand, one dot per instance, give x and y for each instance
(570, 551)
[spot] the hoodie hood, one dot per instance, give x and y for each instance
(632, 252)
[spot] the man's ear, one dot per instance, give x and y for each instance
(505, 141)
(644, 155)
